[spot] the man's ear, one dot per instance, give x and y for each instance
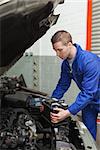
(70, 44)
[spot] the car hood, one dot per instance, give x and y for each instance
(23, 22)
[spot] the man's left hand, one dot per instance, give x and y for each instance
(61, 115)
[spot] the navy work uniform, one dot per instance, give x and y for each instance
(86, 73)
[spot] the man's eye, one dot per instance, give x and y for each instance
(60, 50)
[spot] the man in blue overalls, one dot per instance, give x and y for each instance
(84, 68)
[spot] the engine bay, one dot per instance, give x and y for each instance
(25, 120)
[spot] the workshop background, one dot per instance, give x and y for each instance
(39, 64)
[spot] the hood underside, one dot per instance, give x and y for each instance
(22, 25)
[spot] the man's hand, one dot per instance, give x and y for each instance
(61, 115)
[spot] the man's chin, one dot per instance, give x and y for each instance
(62, 58)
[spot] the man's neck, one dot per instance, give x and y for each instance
(72, 53)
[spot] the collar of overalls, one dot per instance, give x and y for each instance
(78, 49)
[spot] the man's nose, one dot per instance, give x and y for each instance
(57, 53)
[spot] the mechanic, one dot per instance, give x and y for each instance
(84, 68)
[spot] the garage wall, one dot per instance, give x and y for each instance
(73, 17)
(96, 26)
(42, 69)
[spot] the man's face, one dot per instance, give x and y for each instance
(62, 51)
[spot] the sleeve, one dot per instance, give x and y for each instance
(90, 86)
(63, 83)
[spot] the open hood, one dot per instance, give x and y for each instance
(22, 23)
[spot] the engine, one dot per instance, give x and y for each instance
(25, 120)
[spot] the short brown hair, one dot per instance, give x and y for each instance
(63, 36)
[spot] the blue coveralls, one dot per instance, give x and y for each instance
(86, 73)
